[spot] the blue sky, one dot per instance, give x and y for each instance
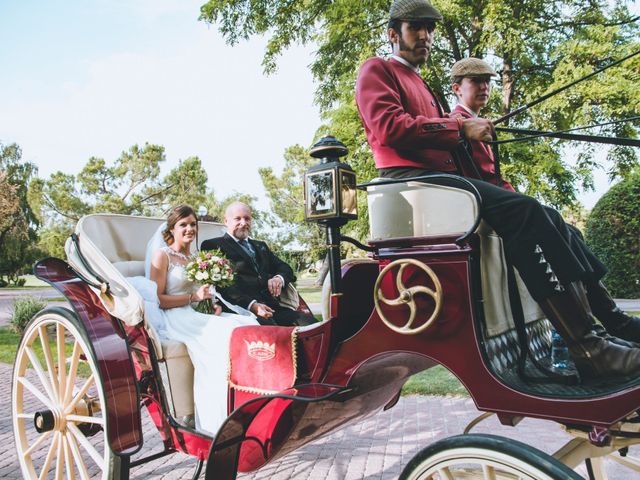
(91, 78)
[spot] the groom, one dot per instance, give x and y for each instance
(260, 275)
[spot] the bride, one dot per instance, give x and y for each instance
(206, 336)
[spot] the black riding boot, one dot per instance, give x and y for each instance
(594, 356)
(617, 323)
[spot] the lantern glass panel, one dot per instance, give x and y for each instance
(348, 193)
(320, 194)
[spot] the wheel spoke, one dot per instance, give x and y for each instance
(488, 472)
(445, 474)
(36, 444)
(82, 468)
(47, 462)
(412, 315)
(37, 393)
(73, 370)
(67, 458)
(421, 289)
(85, 419)
(399, 283)
(60, 459)
(97, 457)
(62, 358)
(46, 349)
(35, 363)
(81, 393)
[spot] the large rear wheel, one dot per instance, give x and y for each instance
(58, 403)
(484, 457)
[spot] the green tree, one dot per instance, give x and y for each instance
(19, 222)
(131, 185)
(536, 46)
(285, 193)
(9, 208)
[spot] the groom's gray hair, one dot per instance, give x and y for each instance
(233, 205)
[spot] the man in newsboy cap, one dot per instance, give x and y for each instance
(471, 79)
(410, 135)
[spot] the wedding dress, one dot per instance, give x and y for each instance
(207, 340)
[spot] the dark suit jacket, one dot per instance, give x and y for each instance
(251, 279)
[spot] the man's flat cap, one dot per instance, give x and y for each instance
(413, 10)
(472, 67)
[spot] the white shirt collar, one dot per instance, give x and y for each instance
(471, 112)
(406, 63)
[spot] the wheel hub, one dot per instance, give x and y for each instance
(44, 421)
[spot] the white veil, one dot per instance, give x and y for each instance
(157, 242)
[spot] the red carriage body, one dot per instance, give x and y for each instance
(422, 298)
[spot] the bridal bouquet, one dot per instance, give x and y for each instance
(210, 268)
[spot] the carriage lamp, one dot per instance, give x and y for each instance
(330, 198)
(330, 186)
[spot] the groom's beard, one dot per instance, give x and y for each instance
(241, 233)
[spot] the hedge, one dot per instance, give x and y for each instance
(613, 233)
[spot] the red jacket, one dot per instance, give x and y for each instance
(403, 120)
(482, 157)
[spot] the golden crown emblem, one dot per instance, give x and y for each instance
(260, 350)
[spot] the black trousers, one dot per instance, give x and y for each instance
(285, 317)
(547, 252)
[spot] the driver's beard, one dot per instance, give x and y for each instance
(404, 47)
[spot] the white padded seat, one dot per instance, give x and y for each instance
(115, 247)
(179, 373)
(416, 209)
(131, 268)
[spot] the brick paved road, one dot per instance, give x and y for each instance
(375, 449)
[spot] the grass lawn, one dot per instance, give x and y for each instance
(8, 345)
(435, 381)
(31, 282)
(9, 341)
(310, 294)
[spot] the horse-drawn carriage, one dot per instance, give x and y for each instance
(434, 290)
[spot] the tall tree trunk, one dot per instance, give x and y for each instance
(324, 270)
(508, 83)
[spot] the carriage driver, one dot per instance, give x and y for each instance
(410, 135)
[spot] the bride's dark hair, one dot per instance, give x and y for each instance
(177, 214)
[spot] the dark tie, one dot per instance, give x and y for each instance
(247, 247)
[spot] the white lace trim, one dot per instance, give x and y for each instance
(170, 251)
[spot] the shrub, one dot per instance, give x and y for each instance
(24, 309)
(613, 233)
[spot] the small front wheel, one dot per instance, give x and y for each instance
(484, 457)
(58, 403)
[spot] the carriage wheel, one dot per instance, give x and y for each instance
(486, 457)
(58, 403)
